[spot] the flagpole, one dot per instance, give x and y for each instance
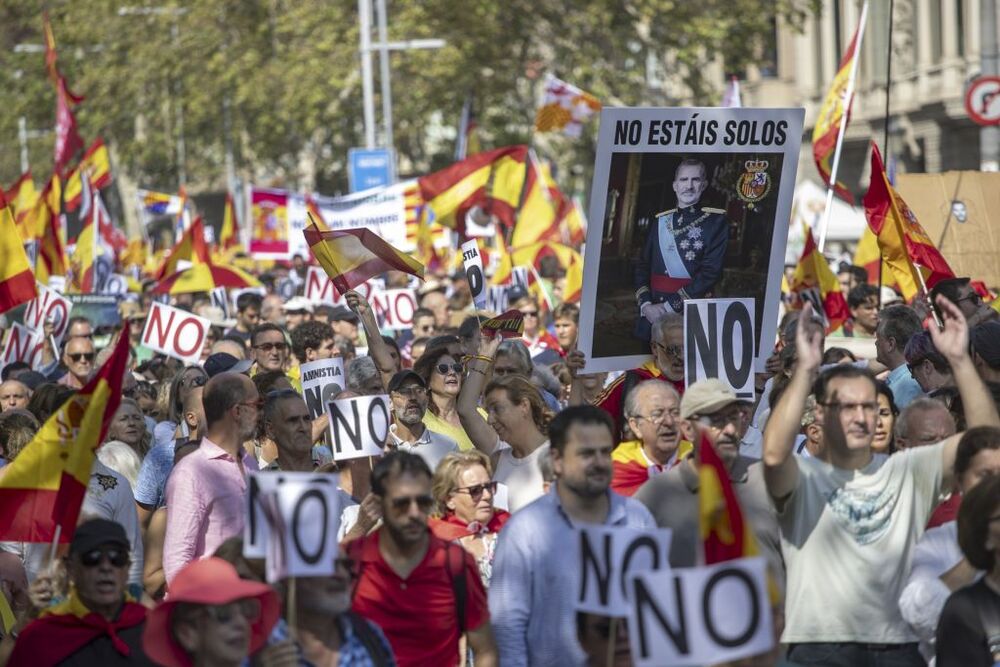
(848, 100)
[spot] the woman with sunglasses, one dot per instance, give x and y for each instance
(442, 372)
(464, 490)
(536, 338)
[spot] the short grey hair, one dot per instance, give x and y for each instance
(360, 371)
(121, 458)
(631, 408)
(519, 352)
(921, 404)
(664, 324)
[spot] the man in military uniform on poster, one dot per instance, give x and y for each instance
(683, 254)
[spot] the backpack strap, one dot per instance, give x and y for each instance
(369, 639)
(455, 561)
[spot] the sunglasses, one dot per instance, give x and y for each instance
(268, 347)
(443, 369)
(93, 558)
(248, 608)
(80, 356)
(476, 490)
(424, 503)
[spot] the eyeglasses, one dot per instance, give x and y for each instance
(93, 558)
(444, 368)
(720, 420)
(656, 418)
(268, 347)
(670, 350)
(80, 356)
(975, 298)
(424, 503)
(476, 490)
(413, 391)
(529, 313)
(868, 408)
(248, 608)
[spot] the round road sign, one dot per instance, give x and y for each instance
(982, 100)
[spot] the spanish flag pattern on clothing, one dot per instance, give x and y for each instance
(17, 282)
(352, 256)
(48, 479)
(631, 468)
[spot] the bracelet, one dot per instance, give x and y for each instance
(477, 370)
(482, 357)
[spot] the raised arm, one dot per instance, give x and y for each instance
(479, 431)
(953, 342)
(377, 349)
(781, 470)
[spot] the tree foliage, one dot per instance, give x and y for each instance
(280, 79)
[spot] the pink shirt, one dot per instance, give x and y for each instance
(206, 505)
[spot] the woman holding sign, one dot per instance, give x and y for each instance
(514, 433)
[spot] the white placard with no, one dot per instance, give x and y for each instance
(473, 261)
(322, 380)
(22, 344)
(174, 332)
(49, 304)
(719, 343)
(608, 555)
(359, 426)
(319, 288)
(700, 615)
(394, 308)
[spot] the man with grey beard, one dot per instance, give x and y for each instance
(408, 394)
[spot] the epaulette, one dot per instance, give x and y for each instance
(713, 210)
(665, 212)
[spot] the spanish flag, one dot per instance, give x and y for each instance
(815, 282)
(22, 197)
(542, 208)
(47, 227)
(833, 112)
(724, 533)
(630, 468)
(904, 244)
(492, 180)
(229, 235)
(191, 247)
(97, 164)
(42, 489)
(17, 282)
(352, 256)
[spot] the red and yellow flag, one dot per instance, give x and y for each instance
(725, 534)
(815, 282)
(17, 281)
(191, 247)
(22, 197)
(352, 256)
(96, 162)
(229, 235)
(45, 225)
(833, 113)
(43, 488)
(904, 244)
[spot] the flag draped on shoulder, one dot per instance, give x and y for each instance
(565, 108)
(352, 256)
(43, 488)
(17, 281)
(904, 244)
(815, 282)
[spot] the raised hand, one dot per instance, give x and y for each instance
(953, 339)
(575, 360)
(357, 303)
(808, 341)
(488, 346)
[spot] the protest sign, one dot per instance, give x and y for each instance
(686, 203)
(234, 294)
(320, 289)
(359, 426)
(700, 615)
(496, 299)
(174, 332)
(220, 300)
(22, 344)
(115, 283)
(48, 306)
(609, 555)
(100, 309)
(519, 277)
(58, 283)
(322, 380)
(719, 343)
(473, 262)
(394, 308)
(509, 324)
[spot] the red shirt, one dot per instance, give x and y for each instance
(418, 614)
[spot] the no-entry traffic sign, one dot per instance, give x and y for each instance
(982, 100)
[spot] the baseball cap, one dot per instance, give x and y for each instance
(98, 532)
(706, 397)
(402, 376)
(985, 339)
(297, 303)
(343, 314)
(222, 362)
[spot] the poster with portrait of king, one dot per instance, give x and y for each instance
(686, 203)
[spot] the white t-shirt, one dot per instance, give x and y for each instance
(522, 476)
(848, 538)
(431, 446)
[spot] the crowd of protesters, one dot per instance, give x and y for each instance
(872, 485)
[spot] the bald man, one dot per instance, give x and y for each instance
(14, 395)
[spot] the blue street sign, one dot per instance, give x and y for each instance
(370, 168)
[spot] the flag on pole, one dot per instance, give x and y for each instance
(725, 534)
(97, 163)
(467, 141)
(22, 197)
(68, 140)
(352, 256)
(46, 225)
(836, 109)
(42, 490)
(192, 248)
(17, 281)
(815, 282)
(565, 108)
(731, 97)
(158, 203)
(868, 256)
(229, 235)
(904, 244)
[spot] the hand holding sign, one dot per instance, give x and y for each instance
(359, 426)
(473, 261)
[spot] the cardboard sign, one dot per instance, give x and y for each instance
(394, 308)
(22, 344)
(509, 324)
(685, 203)
(319, 288)
(58, 283)
(700, 615)
(174, 332)
(608, 557)
(359, 426)
(285, 288)
(519, 277)
(496, 299)
(719, 343)
(473, 262)
(48, 306)
(234, 294)
(321, 381)
(115, 283)
(100, 309)
(220, 300)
